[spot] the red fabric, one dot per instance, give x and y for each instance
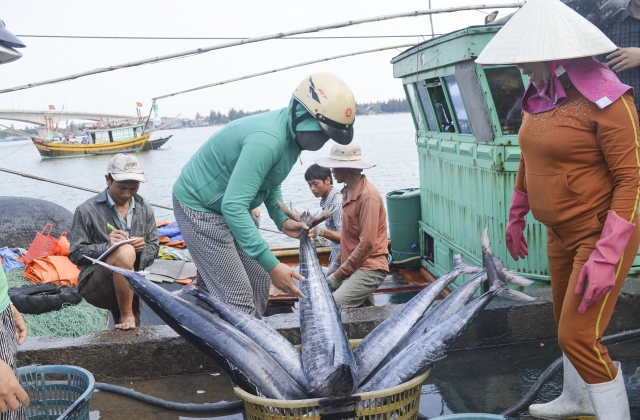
(177, 244)
(53, 269)
(158, 224)
(184, 281)
(598, 274)
(62, 247)
(514, 238)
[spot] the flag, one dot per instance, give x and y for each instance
(139, 104)
(52, 108)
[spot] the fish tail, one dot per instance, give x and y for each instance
(498, 286)
(322, 216)
(291, 213)
(191, 288)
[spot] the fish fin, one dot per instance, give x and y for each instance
(440, 357)
(118, 270)
(497, 285)
(316, 219)
(189, 289)
(513, 278)
(508, 276)
(470, 269)
(333, 355)
(514, 295)
(486, 244)
(295, 311)
(291, 213)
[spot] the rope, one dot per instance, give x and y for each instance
(202, 50)
(235, 79)
(157, 38)
(79, 187)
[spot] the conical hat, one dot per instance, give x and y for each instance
(545, 30)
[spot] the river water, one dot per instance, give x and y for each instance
(388, 140)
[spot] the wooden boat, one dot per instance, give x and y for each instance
(125, 136)
(400, 279)
(156, 143)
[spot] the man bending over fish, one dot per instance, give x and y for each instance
(242, 166)
(364, 240)
(116, 214)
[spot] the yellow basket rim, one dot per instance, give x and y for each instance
(246, 397)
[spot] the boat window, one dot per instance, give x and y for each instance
(426, 107)
(122, 134)
(457, 104)
(415, 108)
(507, 90)
(102, 137)
(443, 115)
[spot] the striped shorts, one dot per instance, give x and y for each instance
(224, 269)
(8, 349)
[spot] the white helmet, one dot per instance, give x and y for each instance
(330, 101)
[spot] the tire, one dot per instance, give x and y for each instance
(41, 298)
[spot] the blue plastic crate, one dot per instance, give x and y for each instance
(57, 392)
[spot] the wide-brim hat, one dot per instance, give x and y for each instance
(344, 156)
(545, 30)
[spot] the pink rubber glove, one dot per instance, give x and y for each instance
(599, 272)
(514, 238)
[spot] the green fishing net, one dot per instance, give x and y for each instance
(70, 321)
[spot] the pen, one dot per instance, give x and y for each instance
(110, 227)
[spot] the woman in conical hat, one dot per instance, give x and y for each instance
(579, 174)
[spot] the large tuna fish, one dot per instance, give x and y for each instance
(259, 331)
(456, 300)
(377, 344)
(416, 358)
(241, 358)
(327, 358)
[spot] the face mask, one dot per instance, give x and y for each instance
(311, 140)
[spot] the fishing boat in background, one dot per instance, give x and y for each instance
(123, 136)
(156, 143)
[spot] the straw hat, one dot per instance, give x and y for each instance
(545, 30)
(344, 156)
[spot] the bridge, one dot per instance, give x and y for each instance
(38, 117)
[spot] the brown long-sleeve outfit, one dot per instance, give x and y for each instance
(579, 161)
(363, 246)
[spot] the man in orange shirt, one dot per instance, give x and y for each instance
(364, 240)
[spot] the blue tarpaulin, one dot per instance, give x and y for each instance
(171, 231)
(9, 261)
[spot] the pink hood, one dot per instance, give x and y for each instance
(595, 81)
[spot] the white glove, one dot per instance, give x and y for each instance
(318, 231)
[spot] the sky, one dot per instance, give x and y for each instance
(369, 76)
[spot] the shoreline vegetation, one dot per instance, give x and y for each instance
(391, 106)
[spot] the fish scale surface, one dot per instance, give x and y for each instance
(327, 359)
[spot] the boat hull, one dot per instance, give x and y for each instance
(49, 150)
(156, 144)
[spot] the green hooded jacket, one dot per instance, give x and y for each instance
(238, 168)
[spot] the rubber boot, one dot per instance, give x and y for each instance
(573, 403)
(610, 398)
